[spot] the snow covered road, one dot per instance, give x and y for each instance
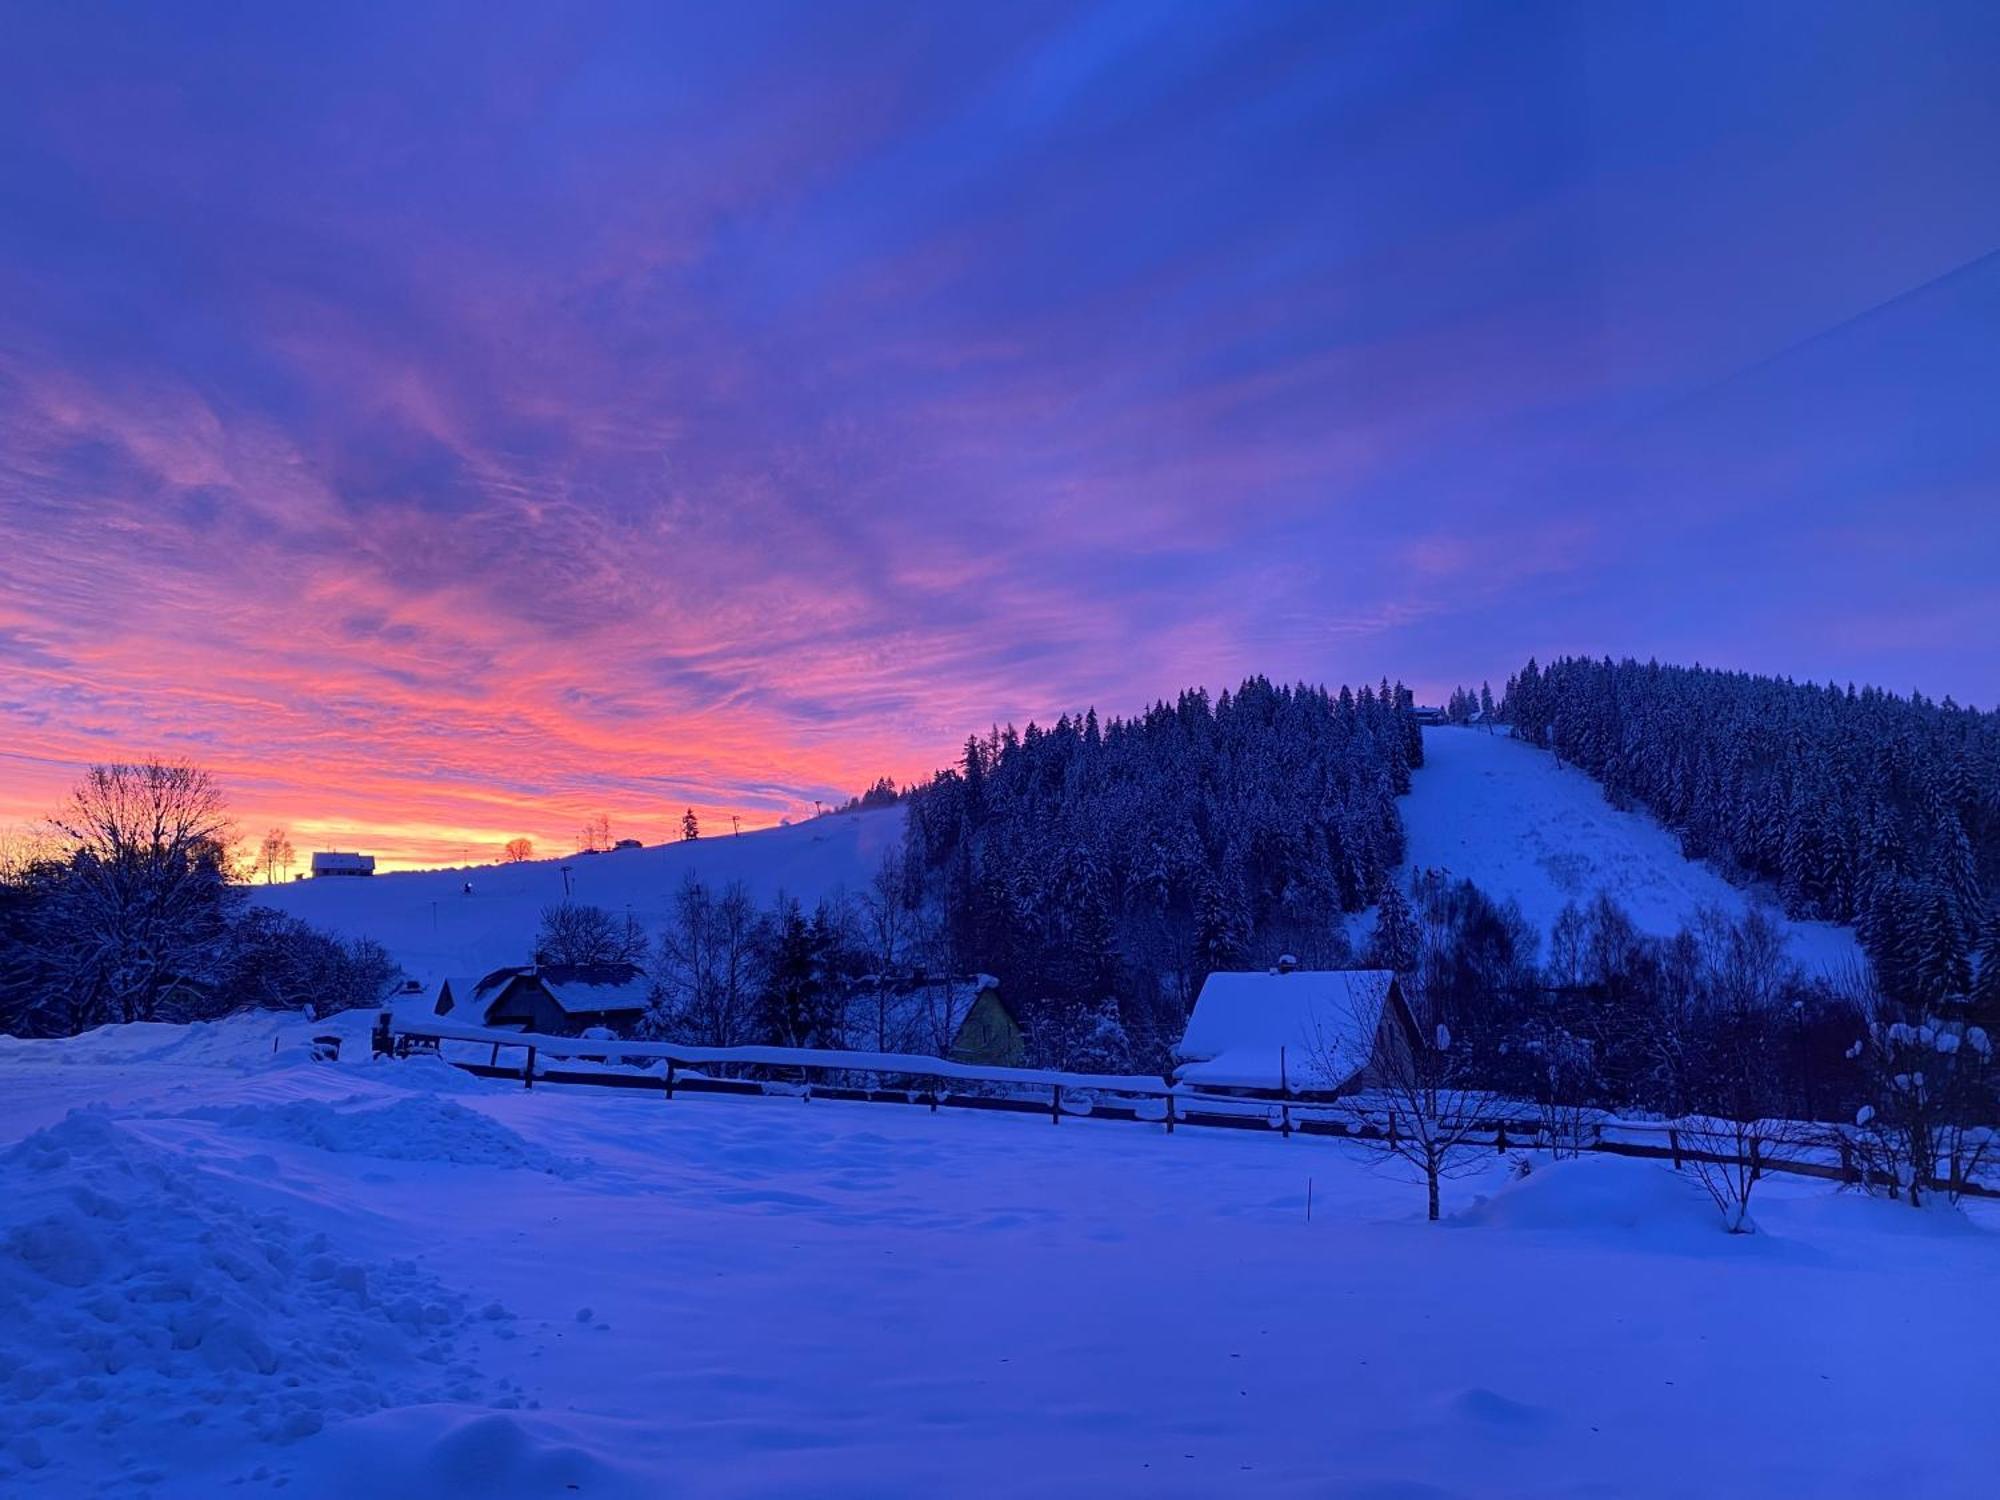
(237, 1271)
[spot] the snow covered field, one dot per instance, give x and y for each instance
(433, 927)
(236, 1271)
(1504, 815)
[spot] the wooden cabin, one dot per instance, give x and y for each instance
(554, 999)
(1301, 1031)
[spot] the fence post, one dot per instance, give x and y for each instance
(670, 1078)
(1055, 1105)
(1500, 1137)
(528, 1073)
(1285, 1097)
(1170, 1112)
(1674, 1145)
(494, 1061)
(934, 1096)
(1756, 1164)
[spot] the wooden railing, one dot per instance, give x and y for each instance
(935, 1082)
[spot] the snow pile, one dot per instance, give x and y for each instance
(420, 1128)
(1597, 1193)
(137, 1290)
(427, 1073)
(493, 1455)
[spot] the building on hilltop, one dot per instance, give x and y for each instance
(337, 862)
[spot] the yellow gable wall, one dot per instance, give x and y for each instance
(989, 1035)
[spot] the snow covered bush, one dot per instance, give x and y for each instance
(277, 962)
(1934, 1105)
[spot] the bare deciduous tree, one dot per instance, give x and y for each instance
(575, 933)
(139, 915)
(1727, 1155)
(1417, 1103)
(886, 922)
(518, 851)
(274, 856)
(1732, 1101)
(21, 849)
(707, 973)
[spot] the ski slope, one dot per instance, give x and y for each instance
(435, 928)
(235, 1271)
(1504, 815)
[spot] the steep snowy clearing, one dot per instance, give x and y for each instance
(433, 927)
(1504, 815)
(241, 1272)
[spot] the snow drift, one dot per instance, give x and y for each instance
(1601, 1194)
(141, 1291)
(420, 1128)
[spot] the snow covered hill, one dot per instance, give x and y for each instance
(1505, 816)
(434, 927)
(1484, 806)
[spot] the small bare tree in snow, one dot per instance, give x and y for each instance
(1565, 1069)
(1727, 1154)
(518, 851)
(1416, 1104)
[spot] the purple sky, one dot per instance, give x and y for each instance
(450, 422)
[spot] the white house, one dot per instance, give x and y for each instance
(334, 862)
(1311, 1031)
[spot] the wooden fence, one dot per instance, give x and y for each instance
(900, 1078)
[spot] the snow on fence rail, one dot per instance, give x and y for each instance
(1829, 1154)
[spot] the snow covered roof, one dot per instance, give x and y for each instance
(458, 989)
(577, 989)
(326, 860)
(590, 990)
(1254, 1030)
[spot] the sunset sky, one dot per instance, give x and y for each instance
(446, 423)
